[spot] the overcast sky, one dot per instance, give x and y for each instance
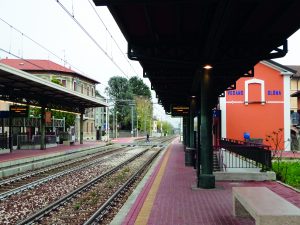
(47, 23)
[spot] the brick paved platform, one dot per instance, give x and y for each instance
(169, 197)
(20, 154)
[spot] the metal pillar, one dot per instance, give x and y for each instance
(81, 128)
(43, 128)
(10, 137)
(198, 151)
(132, 120)
(188, 131)
(191, 123)
(206, 179)
(184, 128)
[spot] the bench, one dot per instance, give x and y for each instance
(266, 207)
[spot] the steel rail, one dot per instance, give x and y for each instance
(48, 178)
(38, 215)
(97, 216)
(52, 157)
(53, 167)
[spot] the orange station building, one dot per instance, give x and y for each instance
(259, 106)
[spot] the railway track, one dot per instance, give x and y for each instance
(113, 200)
(26, 181)
(40, 201)
(19, 205)
(38, 216)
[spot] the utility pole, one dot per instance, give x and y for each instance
(161, 131)
(114, 121)
(137, 126)
(107, 122)
(132, 119)
(116, 124)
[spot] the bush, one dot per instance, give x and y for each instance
(288, 172)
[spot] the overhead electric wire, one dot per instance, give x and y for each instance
(112, 36)
(41, 46)
(91, 37)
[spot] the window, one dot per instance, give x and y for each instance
(74, 85)
(92, 127)
(92, 91)
(82, 89)
(88, 91)
(254, 91)
(64, 83)
(87, 127)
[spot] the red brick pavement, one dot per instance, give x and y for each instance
(19, 154)
(176, 203)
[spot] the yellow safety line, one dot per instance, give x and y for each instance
(143, 216)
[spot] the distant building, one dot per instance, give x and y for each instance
(68, 78)
(100, 120)
(259, 105)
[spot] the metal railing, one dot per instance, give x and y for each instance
(3, 141)
(241, 154)
(25, 142)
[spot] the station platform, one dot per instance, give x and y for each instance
(30, 153)
(168, 196)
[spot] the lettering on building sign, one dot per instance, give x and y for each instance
(274, 92)
(236, 92)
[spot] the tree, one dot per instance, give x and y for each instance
(167, 127)
(123, 93)
(69, 117)
(139, 88)
(144, 112)
(119, 91)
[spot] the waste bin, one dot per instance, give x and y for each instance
(190, 156)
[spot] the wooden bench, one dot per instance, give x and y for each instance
(266, 207)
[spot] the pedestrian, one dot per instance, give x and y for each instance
(147, 140)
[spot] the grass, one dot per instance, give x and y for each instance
(288, 171)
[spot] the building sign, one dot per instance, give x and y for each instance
(48, 117)
(180, 110)
(19, 110)
(236, 92)
(274, 92)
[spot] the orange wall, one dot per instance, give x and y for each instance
(256, 118)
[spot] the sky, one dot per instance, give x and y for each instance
(35, 29)
(46, 31)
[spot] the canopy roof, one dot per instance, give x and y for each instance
(174, 39)
(22, 87)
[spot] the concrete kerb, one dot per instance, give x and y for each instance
(121, 215)
(245, 176)
(44, 160)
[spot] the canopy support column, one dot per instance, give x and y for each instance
(198, 151)
(206, 178)
(43, 128)
(191, 123)
(81, 127)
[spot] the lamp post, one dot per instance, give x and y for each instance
(107, 123)
(116, 124)
(137, 126)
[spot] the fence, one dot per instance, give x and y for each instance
(3, 141)
(25, 142)
(240, 154)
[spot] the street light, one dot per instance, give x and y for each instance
(117, 124)
(137, 126)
